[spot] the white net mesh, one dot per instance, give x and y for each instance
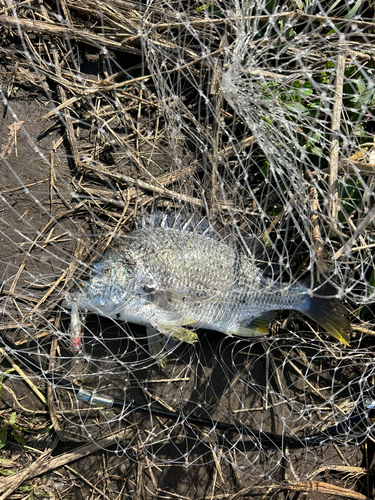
(250, 123)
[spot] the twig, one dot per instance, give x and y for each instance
(89, 483)
(356, 471)
(24, 376)
(59, 461)
(346, 248)
(316, 233)
(362, 330)
(335, 127)
(365, 168)
(217, 103)
(324, 488)
(12, 190)
(150, 187)
(56, 421)
(51, 29)
(197, 23)
(67, 121)
(13, 482)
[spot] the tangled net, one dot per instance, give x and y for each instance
(249, 120)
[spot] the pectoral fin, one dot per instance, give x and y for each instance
(159, 345)
(177, 321)
(171, 299)
(174, 328)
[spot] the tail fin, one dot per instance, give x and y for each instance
(329, 313)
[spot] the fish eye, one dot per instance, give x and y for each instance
(97, 270)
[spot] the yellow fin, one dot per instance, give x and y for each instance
(178, 332)
(253, 331)
(330, 314)
(342, 336)
(335, 327)
(257, 328)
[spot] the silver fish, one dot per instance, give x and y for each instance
(167, 279)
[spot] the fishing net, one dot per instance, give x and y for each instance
(250, 123)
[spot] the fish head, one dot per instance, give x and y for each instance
(108, 282)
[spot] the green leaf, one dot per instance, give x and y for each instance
(333, 6)
(372, 279)
(12, 419)
(317, 151)
(302, 5)
(3, 437)
(18, 438)
(352, 12)
(42, 493)
(314, 105)
(361, 86)
(364, 99)
(290, 32)
(299, 4)
(296, 106)
(7, 472)
(359, 131)
(203, 7)
(25, 489)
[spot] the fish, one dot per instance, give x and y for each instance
(174, 282)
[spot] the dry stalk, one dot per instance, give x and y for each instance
(10, 484)
(323, 488)
(335, 127)
(52, 29)
(40, 466)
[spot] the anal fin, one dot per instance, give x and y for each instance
(259, 327)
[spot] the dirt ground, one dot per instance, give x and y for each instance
(75, 467)
(102, 474)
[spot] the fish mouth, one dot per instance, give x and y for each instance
(70, 298)
(66, 303)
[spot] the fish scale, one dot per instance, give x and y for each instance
(177, 260)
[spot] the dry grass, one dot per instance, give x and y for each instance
(120, 165)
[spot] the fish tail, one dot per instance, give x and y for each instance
(329, 313)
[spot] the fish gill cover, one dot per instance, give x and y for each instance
(247, 125)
